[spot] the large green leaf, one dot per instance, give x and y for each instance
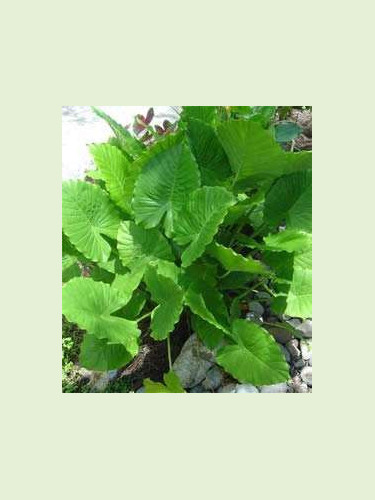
(171, 381)
(287, 131)
(289, 241)
(290, 199)
(129, 144)
(209, 153)
(204, 113)
(209, 334)
(208, 304)
(70, 260)
(199, 220)
(291, 259)
(91, 303)
(87, 215)
(255, 358)
(169, 173)
(255, 156)
(134, 307)
(299, 300)
(127, 282)
(97, 354)
(117, 172)
(136, 243)
(169, 297)
(233, 261)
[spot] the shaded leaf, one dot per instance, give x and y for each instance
(290, 199)
(209, 334)
(254, 155)
(136, 243)
(171, 381)
(209, 153)
(97, 354)
(169, 297)
(287, 131)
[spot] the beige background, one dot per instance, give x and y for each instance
(95, 446)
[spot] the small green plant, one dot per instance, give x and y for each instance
(196, 221)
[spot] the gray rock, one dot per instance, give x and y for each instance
(101, 381)
(302, 388)
(310, 360)
(198, 388)
(292, 347)
(256, 308)
(306, 375)
(306, 349)
(283, 387)
(294, 322)
(248, 388)
(306, 328)
(213, 379)
(286, 353)
(264, 296)
(193, 362)
(85, 374)
(299, 363)
(251, 316)
(228, 388)
(141, 390)
(281, 335)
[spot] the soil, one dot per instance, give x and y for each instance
(152, 360)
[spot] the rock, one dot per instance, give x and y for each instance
(310, 360)
(85, 374)
(198, 388)
(101, 381)
(286, 353)
(256, 308)
(281, 335)
(283, 387)
(228, 388)
(264, 296)
(306, 375)
(294, 322)
(248, 388)
(292, 347)
(306, 328)
(272, 319)
(299, 363)
(193, 362)
(302, 388)
(306, 349)
(213, 379)
(141, 390)
(251, 316)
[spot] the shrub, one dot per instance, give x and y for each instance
(194, 218)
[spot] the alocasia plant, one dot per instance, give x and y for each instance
(193, 222)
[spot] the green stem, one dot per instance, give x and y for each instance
(224, 275)
(144, 316)
(169, 353)
(268, 289)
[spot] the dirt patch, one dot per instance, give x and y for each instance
(152, 360)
